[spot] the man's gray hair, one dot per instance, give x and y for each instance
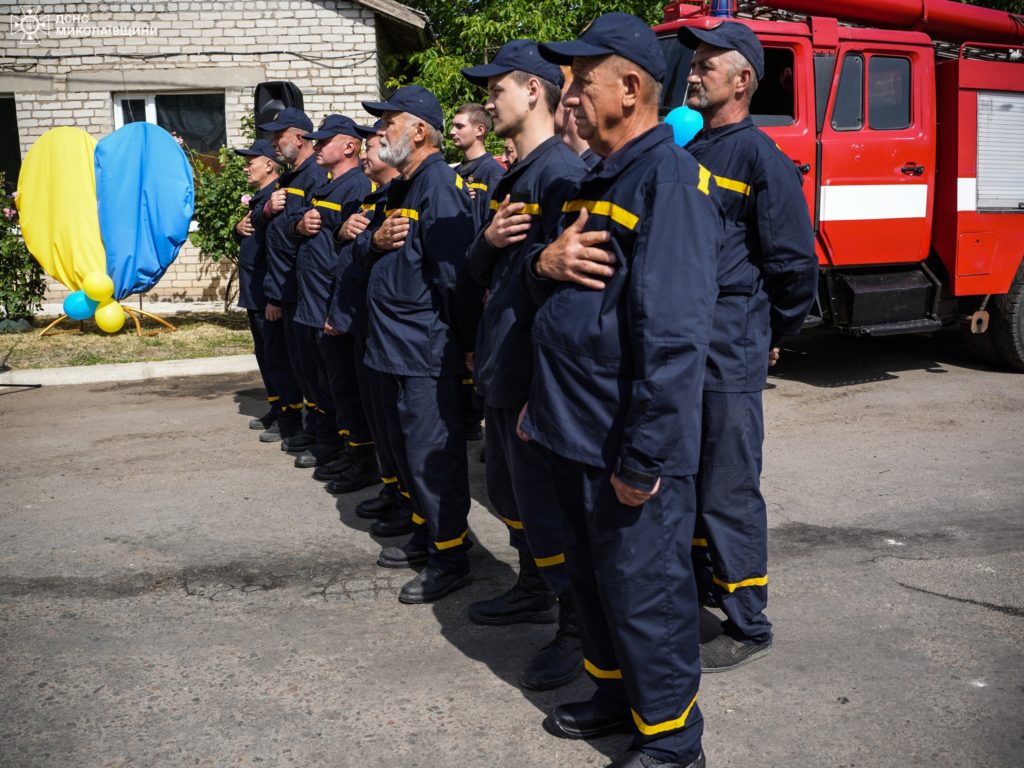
(737, 62)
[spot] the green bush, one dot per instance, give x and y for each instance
(22, 281)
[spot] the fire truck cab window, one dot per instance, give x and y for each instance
(888, 93)
(774, 102)
(848, 111)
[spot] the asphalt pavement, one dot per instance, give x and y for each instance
(174, 593)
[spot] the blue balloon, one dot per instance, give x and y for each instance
(686, 123)
(78, 306)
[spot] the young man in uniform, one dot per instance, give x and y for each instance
(619, 364)
(420, 330)
(347, 315)
(343, 426)
(292, 195)
(767, 281)
(524, 93)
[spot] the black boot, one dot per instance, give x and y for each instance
(396, 522)
(332, 469)
(560, 661)
(271, 434)
(264, 421)
(362, 471)
(529, 601)
(380, 505)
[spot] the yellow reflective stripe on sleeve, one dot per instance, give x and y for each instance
(459, 182)
(367, 207)
(408, 213)
(478, 185)
(452, 542)
(732, 185)
(272, 398)
(343, 433)
(532, 209)
(295, 191)
(358, 445)
(373, 186)
(511, 523)
(700, 542)
(417, 519)
(603, 208)
(406, 494)
(389, 480)
(704, 182)
(326, 204)
(547, 562)
(759, 581)
(601, 674)
(668, 725)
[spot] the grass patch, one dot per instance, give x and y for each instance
(199, 334)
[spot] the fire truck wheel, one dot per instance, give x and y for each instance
(1007, 323)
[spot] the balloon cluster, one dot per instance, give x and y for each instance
(96, 300)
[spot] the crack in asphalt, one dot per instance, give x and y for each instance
(1009, 610)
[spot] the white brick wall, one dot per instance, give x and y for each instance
(243, 32)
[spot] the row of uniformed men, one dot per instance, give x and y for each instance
(631, 313)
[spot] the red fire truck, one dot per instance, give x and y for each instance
(906, 118)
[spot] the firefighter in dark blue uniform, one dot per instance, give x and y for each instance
(525, 92)
(619, 360)
(420, 328)
(261, 169)
(343, 426)
(767, 279)
(293, 195)
(347, 314)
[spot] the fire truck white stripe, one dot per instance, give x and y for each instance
(874, 201)
(967, 194)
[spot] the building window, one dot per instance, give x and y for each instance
(198, 118)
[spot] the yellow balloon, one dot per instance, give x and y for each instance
(110, 317)
(98, 286)
(57, 206)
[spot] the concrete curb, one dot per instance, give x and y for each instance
(154, 369)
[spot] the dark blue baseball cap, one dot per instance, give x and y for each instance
(259, 148)
(613, 33)
(289, 117)
(520, 55)
(335, 125)
(730, 36)
(366, 131)
(414, 99)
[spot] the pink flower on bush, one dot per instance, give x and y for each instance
(10, 213)
(246, 199)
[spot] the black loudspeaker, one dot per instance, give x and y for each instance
(271, 98)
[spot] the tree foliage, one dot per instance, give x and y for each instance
(22, 284)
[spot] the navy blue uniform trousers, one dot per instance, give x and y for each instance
(256, 323)
(425, 430)
(636, 601)
(520, 487)
(337, 370)
(732, 525)
(279, 374)
(301, 354)
(370, 390)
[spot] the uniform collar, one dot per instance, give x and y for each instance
(539, 151)
(614, 164)
(725, 130)
(431, 159)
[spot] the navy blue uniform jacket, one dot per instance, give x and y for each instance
(419, 326)
(767, 271)
(503, 362)
(280, 285)
(618, 373)
(252, 257)
(482, 176)
(317, 260)
(347, 311)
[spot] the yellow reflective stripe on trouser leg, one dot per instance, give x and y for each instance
(699, 542)
(759, 581)
(272, 398)
(511, 523)
(417, 519)
(601, 674)
(389, 480)
(452, 542)
(667, 725)
(547, 562)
